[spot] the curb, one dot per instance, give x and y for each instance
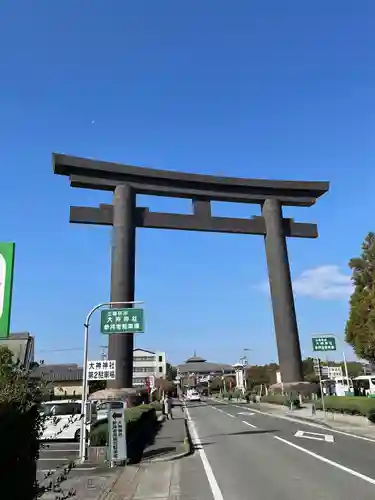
(176, 456)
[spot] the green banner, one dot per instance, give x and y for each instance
(129, 320)
(6, 286)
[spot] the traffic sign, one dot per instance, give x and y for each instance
(128, 320)
(117, 434)
(324, 343)
(101, 369)
(150, 381)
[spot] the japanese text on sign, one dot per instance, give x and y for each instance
(101, 370)
(121, 320)
(117, 434)
(324, 343)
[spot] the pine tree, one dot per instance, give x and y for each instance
(360, 327)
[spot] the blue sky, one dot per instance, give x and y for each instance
(270, 89)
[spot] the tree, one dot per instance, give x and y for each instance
(360, 327)
(171, 372)
(97, 385)
(21, 424)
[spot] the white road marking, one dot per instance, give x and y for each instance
(73, 470)
(315, 435)
(53, 458)
(217, 409)
(216, 491)
(62, 450)
(246, 413)
(327, 461)
(229, 415)
(312, 424)
(248, 423)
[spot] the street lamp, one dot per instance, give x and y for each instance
(82, 442)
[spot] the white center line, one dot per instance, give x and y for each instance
(229, 415)
(327, 461)
(216, 491)
(248, 423)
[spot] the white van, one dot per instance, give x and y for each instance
(63, 419)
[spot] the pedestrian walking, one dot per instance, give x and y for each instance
(168, 407)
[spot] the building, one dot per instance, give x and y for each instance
(63, 379)
(146, 364)
(22, 347)
(66, 379)
(201, 370)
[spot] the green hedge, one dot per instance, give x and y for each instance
(279, 399)
(352, 405)
(136, 418)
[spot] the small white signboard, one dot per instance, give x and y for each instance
(101, 369)
(117, 434)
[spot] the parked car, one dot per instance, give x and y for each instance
(63, 420)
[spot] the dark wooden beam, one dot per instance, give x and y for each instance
(157, 220)
(86, 167)
(234, 195)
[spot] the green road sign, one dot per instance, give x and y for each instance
(6, 286)
(324, 343)
(122, 320)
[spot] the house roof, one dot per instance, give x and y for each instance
(204, 367)
(195, 359)
(143, 350)
(196, 364)
(59, 373)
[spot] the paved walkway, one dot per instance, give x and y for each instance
(170, 440)
(156, 477)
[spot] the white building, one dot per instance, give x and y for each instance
(147, 363)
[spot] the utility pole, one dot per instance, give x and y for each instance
(104, 351)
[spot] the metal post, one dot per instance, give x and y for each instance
(286, 329)
(321, 388)
(121, 345)
(82, 441)
(346, 368)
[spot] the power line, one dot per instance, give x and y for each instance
(60, 350)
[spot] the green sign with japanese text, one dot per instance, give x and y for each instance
(6, 286)
(324, 343)
(128, 320)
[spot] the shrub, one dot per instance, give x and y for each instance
(20, 426)
(135, 418)
(278, 399)
(352, 405)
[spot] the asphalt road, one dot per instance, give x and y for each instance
(242, 453)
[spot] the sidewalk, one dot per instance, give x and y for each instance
(171, 441)
(155, 477)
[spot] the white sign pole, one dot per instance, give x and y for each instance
(83, 433)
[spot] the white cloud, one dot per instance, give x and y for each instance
(324, 282)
